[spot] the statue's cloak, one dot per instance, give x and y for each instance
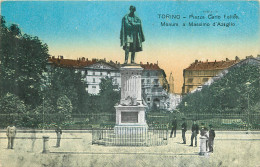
(139, 35)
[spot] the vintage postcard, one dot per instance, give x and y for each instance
(129, 83)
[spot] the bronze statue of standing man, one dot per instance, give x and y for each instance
(131, 35)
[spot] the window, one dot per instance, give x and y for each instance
(148, 99)
(93, 72)
(94, 80)
(190, 80)
(142, 81)
(101, 73)
(205, 79)
(148, 81)
(115, 81)
(156, 81)
(148, 74)
(94, 87)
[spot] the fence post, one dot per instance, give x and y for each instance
(45, 144)
(203, 145)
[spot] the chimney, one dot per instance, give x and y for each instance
(61, 57)
(87, 59)
(258, 56)
(142, 62)
(196, 61)
(147, 63)
(83, 58)
(116, 62)
(227, 59)
(237, 58)
(53, 57)
(249, 56)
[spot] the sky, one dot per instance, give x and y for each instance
(91, 29)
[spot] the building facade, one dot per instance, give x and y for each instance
(154, 82)
(198, 73)
(95, 72)
(248, 60)
(154, 86)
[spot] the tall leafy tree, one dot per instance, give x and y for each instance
(23, 60)
(69, 82)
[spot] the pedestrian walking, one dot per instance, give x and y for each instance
(183, 130)
(11, 133)
(174, 127)
(194, 132)
(33, 138)
(59, 133)
(211, 138)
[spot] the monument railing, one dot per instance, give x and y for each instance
(134, 136)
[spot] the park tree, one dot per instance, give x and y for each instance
(64, 108)
(23, 60)
(229, 94)
(68, 82)
(12, 109)
(108, 96)
(11, 104)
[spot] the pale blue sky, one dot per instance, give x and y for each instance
(66, 22)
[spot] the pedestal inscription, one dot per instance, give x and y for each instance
(129, 117)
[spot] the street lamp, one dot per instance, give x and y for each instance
(248, 119)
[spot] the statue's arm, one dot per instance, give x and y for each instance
(137, 23)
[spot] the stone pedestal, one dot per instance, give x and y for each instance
(130, 113)
(45, 144)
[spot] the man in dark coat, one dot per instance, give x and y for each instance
(211, 138)
(59, 133)
(183, 130)
(131, 34)
(195, 131)
(174, 127)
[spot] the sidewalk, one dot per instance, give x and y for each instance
(231, 149)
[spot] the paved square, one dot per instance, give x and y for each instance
(231, 149)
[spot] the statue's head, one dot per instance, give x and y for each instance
(132, 9)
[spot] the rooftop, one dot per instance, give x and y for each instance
(215, 65)
(84, 62)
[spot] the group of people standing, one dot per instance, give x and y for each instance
(195, 129)
(11, 134)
